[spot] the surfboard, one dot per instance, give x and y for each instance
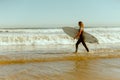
(72, 32)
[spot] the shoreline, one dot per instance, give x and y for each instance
(29, 54)
(59, 63)
(49, 57)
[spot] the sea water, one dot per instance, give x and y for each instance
(55, 36)
(47, 54)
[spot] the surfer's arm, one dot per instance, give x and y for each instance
(78, 34)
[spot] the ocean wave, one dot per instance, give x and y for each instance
(53, 36)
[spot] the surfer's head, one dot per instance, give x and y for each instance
(80, 23)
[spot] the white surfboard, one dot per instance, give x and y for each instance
(72, 32)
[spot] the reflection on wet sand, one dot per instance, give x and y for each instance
(96, 69)
(58, 63)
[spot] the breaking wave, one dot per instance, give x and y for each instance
(54, 36)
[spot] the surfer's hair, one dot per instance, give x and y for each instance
(80, 23)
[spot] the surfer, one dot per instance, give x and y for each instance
(81, 37)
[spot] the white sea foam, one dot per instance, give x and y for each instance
(53, 36)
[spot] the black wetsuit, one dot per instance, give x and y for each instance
(81, 39)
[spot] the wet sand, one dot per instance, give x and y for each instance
(55, 63)
(96, 69)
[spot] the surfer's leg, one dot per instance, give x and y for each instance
(85, 45)
(78, 42)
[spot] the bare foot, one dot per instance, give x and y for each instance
(75, 52)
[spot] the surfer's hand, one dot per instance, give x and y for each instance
(74, 37)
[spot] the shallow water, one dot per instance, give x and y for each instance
(96, 69)
(57, 62)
